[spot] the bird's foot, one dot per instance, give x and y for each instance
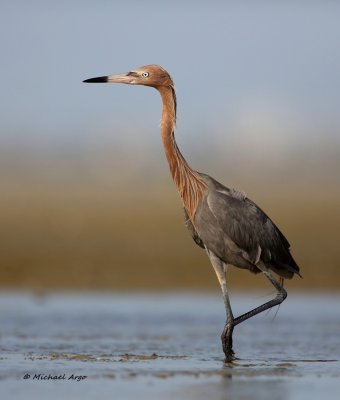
(227, 342)
(229, 357)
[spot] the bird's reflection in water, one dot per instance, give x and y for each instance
(229, 386)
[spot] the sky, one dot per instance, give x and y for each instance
(256, 80)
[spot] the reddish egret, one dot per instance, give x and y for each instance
(228, 225)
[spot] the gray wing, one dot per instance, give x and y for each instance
(227, 218)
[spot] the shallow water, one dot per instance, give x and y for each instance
(166, 346)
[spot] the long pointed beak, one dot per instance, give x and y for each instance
(121, 78)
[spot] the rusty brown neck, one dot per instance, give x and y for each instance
(189, 183)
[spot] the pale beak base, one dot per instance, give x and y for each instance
(122, 78)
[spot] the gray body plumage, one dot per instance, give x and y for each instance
(238, 232)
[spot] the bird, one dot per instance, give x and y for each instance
(223, 221)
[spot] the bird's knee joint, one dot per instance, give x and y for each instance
(282, 295)
(230, 324)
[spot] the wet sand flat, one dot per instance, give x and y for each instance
(121, 346)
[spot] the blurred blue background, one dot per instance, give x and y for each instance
(258, 109)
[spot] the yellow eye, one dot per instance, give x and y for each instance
(145, 74)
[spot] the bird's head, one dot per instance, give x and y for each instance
(148, 75)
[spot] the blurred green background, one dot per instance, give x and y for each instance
(87, 201)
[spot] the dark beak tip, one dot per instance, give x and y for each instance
(100, 79)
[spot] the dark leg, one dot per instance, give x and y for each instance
(227, 334)
(279, 298)
(226, 337)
